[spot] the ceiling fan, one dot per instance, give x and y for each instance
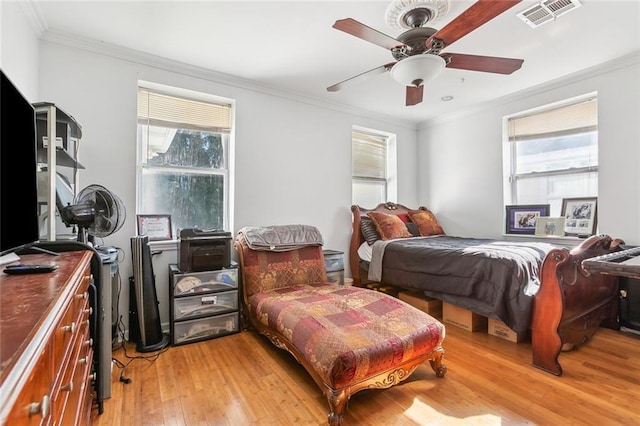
(418, 51)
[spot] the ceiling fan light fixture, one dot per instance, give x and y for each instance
(417, 70)
(407, 14)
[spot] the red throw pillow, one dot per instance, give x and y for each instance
(389, 226)
(404, 217)
(426, 222)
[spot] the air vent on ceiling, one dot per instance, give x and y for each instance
(546, 11)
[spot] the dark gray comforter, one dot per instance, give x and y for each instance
(490, 277)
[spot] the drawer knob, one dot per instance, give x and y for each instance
(84, 295)
(70, 328)
(88, 342)
(43, 407)
(88, 311)
(83, 361)
(68, 387)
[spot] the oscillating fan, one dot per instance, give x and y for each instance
(97, 212)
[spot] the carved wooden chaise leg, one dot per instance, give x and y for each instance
(436, 363)
(338, 398)
(337, 402)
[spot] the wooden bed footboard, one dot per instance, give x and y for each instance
(572, 302)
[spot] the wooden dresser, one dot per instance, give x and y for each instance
(46, 351)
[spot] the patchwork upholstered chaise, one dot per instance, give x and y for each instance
(347, 338)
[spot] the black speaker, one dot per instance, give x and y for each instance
(151, 337)
(629, 303)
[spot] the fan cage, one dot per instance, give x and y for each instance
(110, 213)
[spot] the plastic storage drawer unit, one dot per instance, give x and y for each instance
(334, 264)
(188, 283)
(205, 328)
(205, 305)
(333, 260)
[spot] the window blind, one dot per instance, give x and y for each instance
(575, 118)
(159, 109)
(369, 158)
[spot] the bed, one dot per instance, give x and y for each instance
(498, 279)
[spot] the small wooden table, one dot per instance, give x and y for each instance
(625, 263)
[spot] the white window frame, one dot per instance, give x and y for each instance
(390, 176)
(509, 155)
(227, 173)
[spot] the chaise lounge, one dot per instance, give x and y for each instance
(347, 338)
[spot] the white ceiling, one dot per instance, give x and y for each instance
(291, 45)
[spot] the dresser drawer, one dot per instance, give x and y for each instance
(205, 305)
(190, 283)
(205, 328)
(70, 400)
(75, 317)
(33, 404)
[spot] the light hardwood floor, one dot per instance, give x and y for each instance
(242, 379)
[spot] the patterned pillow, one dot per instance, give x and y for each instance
(369, 231)
(389, 226)
(426, 222)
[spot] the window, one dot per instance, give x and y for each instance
(373, 167)
(553, 154)
(184, 142)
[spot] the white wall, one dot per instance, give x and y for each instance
(19, 48)
(461, 179)
(292, 158)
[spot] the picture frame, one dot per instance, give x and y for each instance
(157, 227)
(521, 219)
(550, 226)
(581, 216)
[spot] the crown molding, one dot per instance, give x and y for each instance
(34, 16)
(142, 58)
(587, 73)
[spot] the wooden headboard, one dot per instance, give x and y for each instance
(360, 275)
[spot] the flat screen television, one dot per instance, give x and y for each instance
(19, 228)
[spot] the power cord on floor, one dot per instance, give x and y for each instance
(149, 358)
(122, 366)
(131, 358)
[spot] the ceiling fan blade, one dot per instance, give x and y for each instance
(358, 29)
(478, 14)
(376, 71)
(482, 63)
(414, 95)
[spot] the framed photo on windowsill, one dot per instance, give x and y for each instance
(155, 226)
(581, 215)
(550, 226)
(522, 219)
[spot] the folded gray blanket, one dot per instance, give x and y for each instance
(281, 237)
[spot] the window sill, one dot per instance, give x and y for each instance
(560, 240)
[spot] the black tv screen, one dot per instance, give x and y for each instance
(18, 182)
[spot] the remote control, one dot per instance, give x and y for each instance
(29, 269)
